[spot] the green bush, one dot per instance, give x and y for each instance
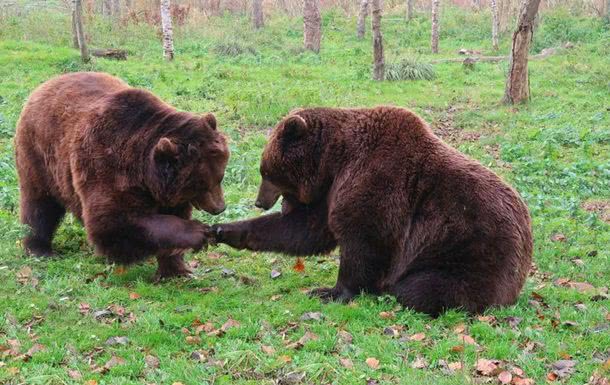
(409, 69)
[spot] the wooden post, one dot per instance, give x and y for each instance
(378, 59)
(517, 81)
(410, 9)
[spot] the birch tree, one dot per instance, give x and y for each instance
(495, 26)
(378, 59)
(166, 24)
(77, 23)
(517, 82)
(364, 10)
(312, 25)
(435, 27)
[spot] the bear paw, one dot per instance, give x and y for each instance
(328, 294)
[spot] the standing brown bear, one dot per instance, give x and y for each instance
(412, 216)
(126, 164)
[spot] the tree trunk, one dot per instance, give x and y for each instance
(166, 23)
(116, 9)
(495, 26)
(106, 8)
(378, 60)
(312, 25)
(364, 10)
(128, 5)
(435, 10)
(410, 9)
(257, 14)
(517, 82)
(74, 31)
(80, 32)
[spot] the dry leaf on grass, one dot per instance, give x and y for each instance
(268, 350)
(505, 377)
(387, 315)
(308, 336)
(417, 337)
(299, 266)
(419, 363)
(372, 362)
(346, 363)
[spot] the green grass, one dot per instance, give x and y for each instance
(555, 151)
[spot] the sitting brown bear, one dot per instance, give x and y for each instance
(126, 164)
(412, 216)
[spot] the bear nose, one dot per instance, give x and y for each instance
(219, 210)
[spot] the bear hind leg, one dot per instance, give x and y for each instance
(171, 264)
(434, 292)
(42, 215)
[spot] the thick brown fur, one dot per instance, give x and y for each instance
(125, 163)
(412, 216)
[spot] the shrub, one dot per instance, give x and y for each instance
(409, 69)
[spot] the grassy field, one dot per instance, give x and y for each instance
(234, 324)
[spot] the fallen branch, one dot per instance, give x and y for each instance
(111, 53)
(494, 59)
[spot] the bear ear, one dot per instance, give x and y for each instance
(210, 119)
(165, 149)
(295, 128)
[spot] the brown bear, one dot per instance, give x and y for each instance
(412, 216)
(125, 163)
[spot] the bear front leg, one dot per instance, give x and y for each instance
(360, 270)
(303, 231)
(171, 264)
(172, 232)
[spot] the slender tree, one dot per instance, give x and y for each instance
(312, 25)
(495, 26)
(608, 9)
(410, 9)
(166, 23)
(435, 11)
(106, 8)
(77, 23)
(257, 14)
(74, 31)
(378, 59)
(364, 10)
(116, 9)
(517, 82)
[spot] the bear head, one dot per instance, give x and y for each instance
(187, 164)
(290, 164)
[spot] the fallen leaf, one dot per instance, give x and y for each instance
(276, 297)
(316, 316)
(152, 362)
(387, 315)
(231, 323)
(134, 295)
(552, 376)
(83, 308)
(345, 337)
(199, 355)
(390, 331)
(460, 328)
(558, 237)
(177, 383)
(487, 367)
(457, 348)
(33, 350)
(372, 362)
(248, 281)
(292, 378)
(346, 363)
(299, 266)
(117, 341)
(193, 340)
(505, 377)
(120, 270)
(268, 350)
(285, 359)
(417, 337)
(455, 366)
(419, 363)
(489, 319)
(275, 274)
(513, 322)
(563, 368)
(465, 338)
(74, 374)
(598, 379)
(308, 336)
(522, 381)
(90, 382)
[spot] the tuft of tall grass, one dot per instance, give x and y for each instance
(409, 69)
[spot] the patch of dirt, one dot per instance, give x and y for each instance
(600, 207)
(446, 129)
